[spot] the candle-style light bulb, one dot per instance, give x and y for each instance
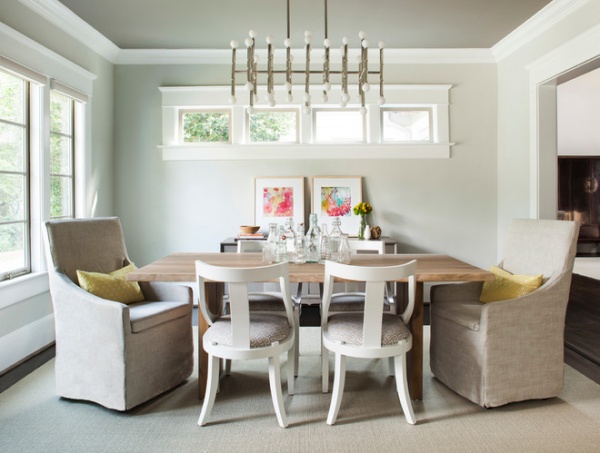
(234, 44)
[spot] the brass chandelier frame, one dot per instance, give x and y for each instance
(252, 70)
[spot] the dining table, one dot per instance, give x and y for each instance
(180, 267)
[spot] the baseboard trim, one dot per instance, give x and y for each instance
(21, 343)
(583, 365)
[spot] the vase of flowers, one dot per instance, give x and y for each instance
(363, 210)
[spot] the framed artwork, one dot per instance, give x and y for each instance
(335, 196)
(277, 199)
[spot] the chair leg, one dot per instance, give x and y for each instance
(227, 367)
(275, 382)
(324, 368)
(211, 391)
(290, 372)
(402, 388)
(296, 341)
(391, 366)
(338, 388)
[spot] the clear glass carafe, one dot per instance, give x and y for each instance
(290, 239)
(299, 249)
(325, 244)
(270, 248)
(335, 238)
(281, 247)
(312, 241)
(344, 251)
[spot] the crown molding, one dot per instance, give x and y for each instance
(65, 19)
(544, 19)
(17, 47)
(58, 14)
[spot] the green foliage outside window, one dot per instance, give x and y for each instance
(205, 127)
(61, 154)
(272, 126)
(12, 164)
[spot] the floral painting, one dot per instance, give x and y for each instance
(336, 201)
(333, 197)
(278, 201)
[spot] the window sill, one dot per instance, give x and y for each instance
(24, 287)
(304, 152)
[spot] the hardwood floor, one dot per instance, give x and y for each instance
(582, 333)
(582, 327)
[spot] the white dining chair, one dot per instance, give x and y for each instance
(245, 335)
(263, 299)
(369, 334)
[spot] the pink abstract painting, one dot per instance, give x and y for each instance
(336, 201)
(278, 202)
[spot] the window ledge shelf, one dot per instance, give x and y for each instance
(297, 152)
(24, 287)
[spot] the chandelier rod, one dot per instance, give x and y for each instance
(252, 70)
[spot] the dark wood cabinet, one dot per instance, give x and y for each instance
(579, 196)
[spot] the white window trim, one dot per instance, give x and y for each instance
(175, 99)
(42, 65)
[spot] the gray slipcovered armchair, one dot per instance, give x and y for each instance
(511, 350)
(114, 354)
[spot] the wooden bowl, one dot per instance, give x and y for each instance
(249, 229)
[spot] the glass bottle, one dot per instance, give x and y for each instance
(324, 244)
(281, 247)
(270, 248)
(335, 238)
(290, 239)
(299, 249)
(312, 241)
(344, 251)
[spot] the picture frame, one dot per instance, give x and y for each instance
(335, 196)
(278, 198)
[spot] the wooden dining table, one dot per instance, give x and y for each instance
(180, 267)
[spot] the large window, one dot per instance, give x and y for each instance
(14, 176)
(62, 144)
(41, 134)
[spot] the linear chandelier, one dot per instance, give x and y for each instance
(252, 71)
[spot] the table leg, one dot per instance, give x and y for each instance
(214, 299)
(415, 355)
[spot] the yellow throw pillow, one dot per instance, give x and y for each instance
(113, 286)
(508, 286)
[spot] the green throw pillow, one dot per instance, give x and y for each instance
(113, 286)
(508, 286)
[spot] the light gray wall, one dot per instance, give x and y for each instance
(578, 107)
(427, 205)
(514, 130)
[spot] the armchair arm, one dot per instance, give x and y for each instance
(456, 292)
(155, 291)
(83, 317)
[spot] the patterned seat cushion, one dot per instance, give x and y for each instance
(265, 302)
(348, 328)
(265, 329)
(350, 302)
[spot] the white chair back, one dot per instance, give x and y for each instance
(375, 279)
(238, 280)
